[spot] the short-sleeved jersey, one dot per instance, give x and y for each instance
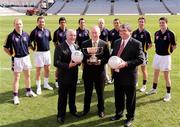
(41, 39)
(113, 36)
(59, 36)
(81, 35)
(144, 37)
(104, 35)
(18, 44)
(164, 42)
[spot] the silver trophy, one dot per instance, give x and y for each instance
(93, 52)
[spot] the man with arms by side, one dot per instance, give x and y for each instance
(16, 46)
(165, 44)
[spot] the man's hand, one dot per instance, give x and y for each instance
(72, 64)
(122, 65)
(98, 62)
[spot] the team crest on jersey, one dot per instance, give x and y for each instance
(47, 33)
(135, 35)
(80, 35)
(142, 35)
(60, 34)
(39, 34)
(165, 37)
(113, 34)
(157, 37)
(86, 34)
(24, 39)
(104, 33)
(16, 39)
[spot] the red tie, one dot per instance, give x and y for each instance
(121, 49)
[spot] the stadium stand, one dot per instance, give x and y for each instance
(20, 2)
(125, 7)
(99, 7)
(94, 7)
(73, 7)
(56, 7)
(7, 11)
(152, 7)
(173, 5)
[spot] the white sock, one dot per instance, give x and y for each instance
(46, 80)
(38, 83)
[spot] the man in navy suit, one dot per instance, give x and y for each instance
(67, 75)
(125, 76)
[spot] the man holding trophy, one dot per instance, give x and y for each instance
(96, 55)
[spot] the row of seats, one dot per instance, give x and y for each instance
(105, 7)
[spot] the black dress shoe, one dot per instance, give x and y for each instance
(75, 114)
(116, 117)
(60, 120)
(101, 114)
(128, 122)
(83, 114)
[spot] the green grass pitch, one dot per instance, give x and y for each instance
(41, 111)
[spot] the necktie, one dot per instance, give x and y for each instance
(94, 44)
(121, 49)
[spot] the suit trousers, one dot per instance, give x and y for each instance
(99, 82)
(64, 91)
(123, 92)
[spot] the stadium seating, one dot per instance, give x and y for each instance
(99, 7)
(7, 11)
(95, 7)
(74, 7)
(19, 2)
(55, 7)
(152, 7)
(173, 5)
(125, 7)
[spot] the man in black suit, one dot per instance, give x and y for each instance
(67, 75)
(93, 71)
(125, 76)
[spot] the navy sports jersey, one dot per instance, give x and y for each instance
(164, 42)
(144, 37)
(41, 39)
(18, 44)
(104, 34)
(59, 36)
(113, 36)
(81, 35)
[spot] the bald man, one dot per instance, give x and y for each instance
(16, 46)
(93, 71)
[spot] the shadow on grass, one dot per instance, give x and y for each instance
(139, 104)
(90, 120)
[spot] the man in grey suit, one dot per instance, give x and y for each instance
(125, 76)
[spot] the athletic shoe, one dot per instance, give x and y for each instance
(152, 91)
(30, 94)
(16, 100)
(47, 86)
(143, 88)
(167, 97)
(56, 85)
(38, 91)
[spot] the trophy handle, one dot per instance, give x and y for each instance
(84, 50)
(99, 51)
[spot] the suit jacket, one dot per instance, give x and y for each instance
(134, 56)
(95, 70)
(62, 58)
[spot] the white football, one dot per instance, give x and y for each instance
(77, 56)
(114, 62)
